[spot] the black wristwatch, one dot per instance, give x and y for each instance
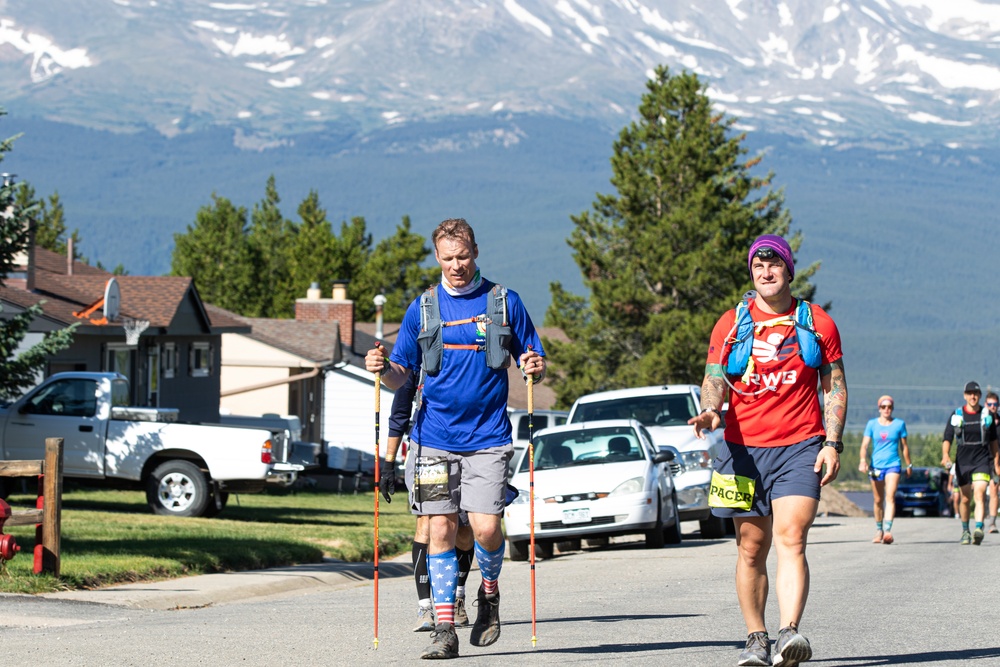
(712, 410)
(837, 445)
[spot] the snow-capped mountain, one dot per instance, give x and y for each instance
(879, 72)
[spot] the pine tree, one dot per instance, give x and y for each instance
(665, 256)
(216, 254)
(314, 255)
(269, 237)
(19, 370)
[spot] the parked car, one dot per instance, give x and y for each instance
(923, 493)
(594, 480)
(664, 411)
(303, 453)
(541, 419)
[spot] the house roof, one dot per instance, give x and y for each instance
(318, 342)
(77, 298)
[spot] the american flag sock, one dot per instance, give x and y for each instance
(443, 570)
(490, 563)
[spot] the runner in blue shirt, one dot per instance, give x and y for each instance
(889, 437)
(461, 435)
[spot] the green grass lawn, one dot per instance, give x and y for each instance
(110, 537)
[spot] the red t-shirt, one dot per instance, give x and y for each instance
(791, 412)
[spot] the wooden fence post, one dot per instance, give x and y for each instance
(47, 545)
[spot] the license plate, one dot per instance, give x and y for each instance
(576, 516)
(919, 511)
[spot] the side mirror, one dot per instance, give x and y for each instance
(664, 457)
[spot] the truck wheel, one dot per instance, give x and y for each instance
(517, 549)
(177, 488)
(673, 535)
(545, 549)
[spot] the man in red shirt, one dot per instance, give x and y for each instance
(769, 479)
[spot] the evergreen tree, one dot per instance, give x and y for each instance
(269, 236)
(666, 255)
(19, 371)
(314, 252)
(49, 221)
(395, 269)
(216, 254)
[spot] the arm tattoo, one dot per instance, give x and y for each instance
(835, 400)
(713, 392)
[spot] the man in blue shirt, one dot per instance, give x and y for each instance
(461, 433)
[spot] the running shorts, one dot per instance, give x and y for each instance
(978, 472)
(747, 479)
(878, 474)
(443, 482)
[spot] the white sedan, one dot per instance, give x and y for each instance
(594, 480)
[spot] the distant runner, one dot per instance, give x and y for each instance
(992, 403)
(889, 436)
(976, 458)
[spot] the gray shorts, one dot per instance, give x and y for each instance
(443, 482)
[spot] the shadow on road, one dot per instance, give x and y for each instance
(915, 658)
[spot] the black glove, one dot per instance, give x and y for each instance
(387, 481)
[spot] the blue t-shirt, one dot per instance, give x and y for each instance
(885, 442)
(464, 406)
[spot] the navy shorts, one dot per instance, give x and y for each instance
(775, 472)
(878, 474)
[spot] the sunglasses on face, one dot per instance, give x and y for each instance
(887, 406)
(992, 404)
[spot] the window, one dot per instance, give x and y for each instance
(66, 398)
(200, 360)
(118, 359)
(170, 359)
(153, 381)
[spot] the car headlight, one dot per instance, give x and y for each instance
(634, 485)
(697, 459)
(522, 497)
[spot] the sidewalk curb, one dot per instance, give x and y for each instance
(229, 587)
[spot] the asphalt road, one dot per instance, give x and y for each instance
(925, 600)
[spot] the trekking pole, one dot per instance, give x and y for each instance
(378, 399)
(531, 498)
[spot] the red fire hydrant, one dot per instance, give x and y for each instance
(8, 547)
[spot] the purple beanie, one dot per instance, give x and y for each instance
(779, 245)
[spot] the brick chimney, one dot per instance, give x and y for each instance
(337, 309)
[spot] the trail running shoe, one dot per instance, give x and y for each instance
(993, 528)
(791, 648)
(487, 627)
(461, 616)
(887, 538)
(977, 536)
(758, 650)
(425, 620)
(878, 537)
(444, 643)
(966, 537)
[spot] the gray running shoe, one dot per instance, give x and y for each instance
(487, 627)
(461, 616)
(425, 619)
(758, 650)
(444, 643)
(791, 648)
(966, 537)
(977, 536)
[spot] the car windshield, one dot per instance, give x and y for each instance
(661, 410)
(922, 477)
(585, 447)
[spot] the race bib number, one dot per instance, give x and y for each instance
(430, 478)
(731, 491)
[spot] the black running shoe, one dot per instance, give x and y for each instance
(444, 643)
(758, 650)
(791, 648)
(486, 630)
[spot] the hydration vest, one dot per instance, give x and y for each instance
(958, 421)
(739, 342)
(497, 323)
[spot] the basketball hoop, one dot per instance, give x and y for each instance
(134, 329)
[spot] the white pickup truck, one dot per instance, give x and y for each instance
(664, 412)
(186, 469)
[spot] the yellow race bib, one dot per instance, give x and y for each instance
(731, 491)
